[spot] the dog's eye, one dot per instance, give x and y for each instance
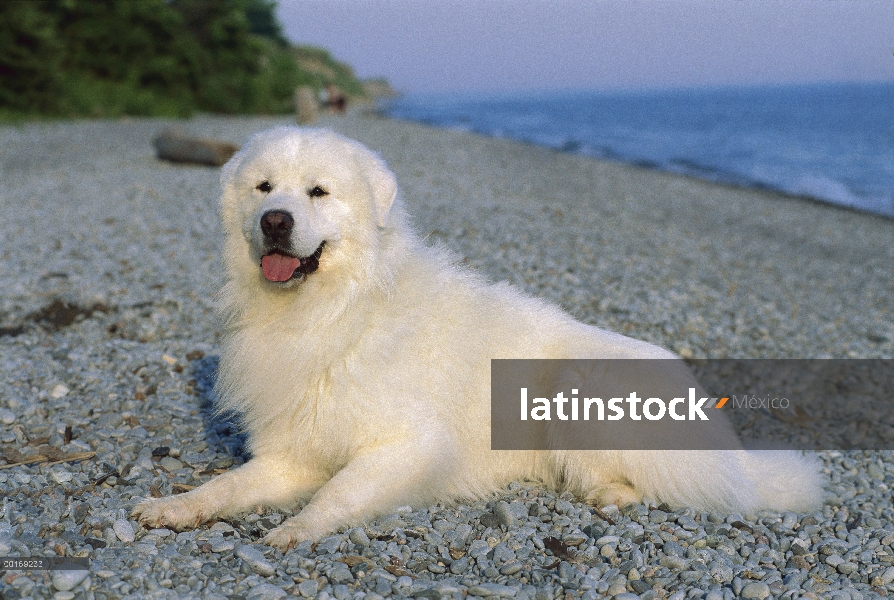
(264, 186)
(317, 192)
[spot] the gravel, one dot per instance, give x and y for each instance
(108, 345)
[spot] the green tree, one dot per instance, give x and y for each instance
(153, 57)
(30, 57)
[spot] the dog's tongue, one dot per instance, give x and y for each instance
(279, 267)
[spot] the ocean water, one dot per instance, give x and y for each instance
(833, 143)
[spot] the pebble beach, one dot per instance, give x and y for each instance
(109, 263)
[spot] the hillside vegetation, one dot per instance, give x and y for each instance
(154, 57)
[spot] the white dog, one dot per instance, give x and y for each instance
(359, 359)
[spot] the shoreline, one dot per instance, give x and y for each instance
(687, 131)
(107, 327)
(648, 166)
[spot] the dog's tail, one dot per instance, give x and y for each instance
(785, 479)
(723, 481)
(742, 481)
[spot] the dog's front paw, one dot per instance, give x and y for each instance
(619, 494)
(286, 536)
(175, 512)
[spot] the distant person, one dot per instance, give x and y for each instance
(336, 102)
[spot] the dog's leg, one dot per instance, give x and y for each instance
(619, 494)
(369, 486)
(259, 482)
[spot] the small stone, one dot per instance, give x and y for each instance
(657, 516)
(544, 594)
(443, 525)
(624, 595)
(123, 530)
(460, 566)
(68, 580)
(59, 391)
(64, 596)
(383, 574)
(80, 512)
(489, 520)
(795, 579)
(478, 548)
(618, 589)
(330, 545)
(634, 511)
(672, 548)
(641, 587)
(340, 573)
(308, 588)
(266, 591)
(564, 507)
(161, 532)
(221, 544)
(757, 590)
(575, 538)
(505, 515)
(358, 536)
(447, 587)
(846, 568)
(566, 571)
(7, 417)
(674, 563)
(885, 578)
(721, 573)
(492, 589)
(255, 560)
(510, 568)
(418, 589)
(799, 547)
(833, 560)
(170, 464)
(60, 476)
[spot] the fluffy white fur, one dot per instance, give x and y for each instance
(366, 385)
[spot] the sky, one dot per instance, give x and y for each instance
(424, 46)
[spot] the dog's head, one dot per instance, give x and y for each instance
(299, 202)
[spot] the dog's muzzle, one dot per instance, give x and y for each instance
(280, 264)
(279, 267)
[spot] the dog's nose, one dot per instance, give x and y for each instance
(276, 224)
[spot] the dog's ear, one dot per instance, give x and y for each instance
(227, 174)
(384, 189)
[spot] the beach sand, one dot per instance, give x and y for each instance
(127, 248)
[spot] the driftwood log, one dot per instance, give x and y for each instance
(176, 146)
